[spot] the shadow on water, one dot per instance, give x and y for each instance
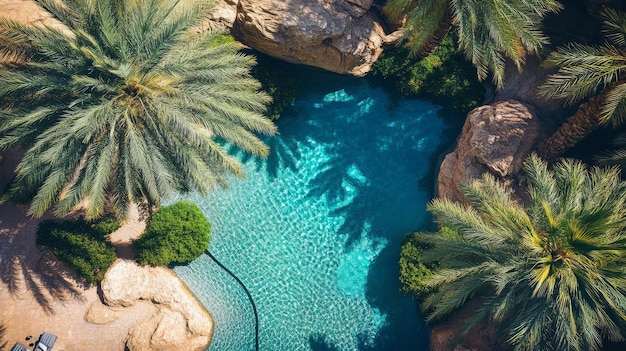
(319, 342)
(361, 138)
(377, 172)
(284, 154)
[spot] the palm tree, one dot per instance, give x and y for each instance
(489, 32)
(129, 102)
(553, 275)
(596, 73)
(617, 156)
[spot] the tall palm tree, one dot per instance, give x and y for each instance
(588, 72)
(128, 102)
(489, 32)
(551, 276)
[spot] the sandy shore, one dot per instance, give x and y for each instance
(39, 294)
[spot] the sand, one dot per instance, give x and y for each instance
(37, 293)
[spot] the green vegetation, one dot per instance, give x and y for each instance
(126, 106)
(417, 269)
(81, 245)
(175, 234)
(278, 80)
(489, 32)
(590, 72)
(551, 276)
(414, 272)
(444, 76)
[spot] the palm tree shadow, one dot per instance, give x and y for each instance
(23, 267)
(284, 154)
(376, 150)
(3, 341)
(377, 157)
(319, 342)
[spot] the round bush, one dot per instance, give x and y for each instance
(175, 234)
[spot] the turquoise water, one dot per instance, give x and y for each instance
(314, 231)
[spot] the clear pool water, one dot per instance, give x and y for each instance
(314, 231)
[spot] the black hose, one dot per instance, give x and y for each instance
(245, 289)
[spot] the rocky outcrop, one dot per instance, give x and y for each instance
(181, 321)
(496, 138)
(343, 36)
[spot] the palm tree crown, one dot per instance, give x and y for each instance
(553, 275)
(126, 104)
(585, 69)
(489, 31)
(590, 72)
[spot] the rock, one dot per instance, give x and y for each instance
(524, 86)
(496, 138)
(101, 314)
(343, 36)
(181, 322)
(162, 332)
(224, 14)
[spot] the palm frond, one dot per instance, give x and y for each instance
(583, 70)
(552, 275)
(126, 104)
(614, 26)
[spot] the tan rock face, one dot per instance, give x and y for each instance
(223, 14)
(337, 35)
(181, 321)
(495, 138)
(343, 36)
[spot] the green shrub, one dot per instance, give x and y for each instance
(445, 76)
(175, 234)
(279, 81)
(415, 269)
(81, 245)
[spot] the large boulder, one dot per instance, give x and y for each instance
(343, 36)
(496, 138)
(181, 321)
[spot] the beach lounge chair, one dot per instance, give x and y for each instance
(19, 347)
(45, 342)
